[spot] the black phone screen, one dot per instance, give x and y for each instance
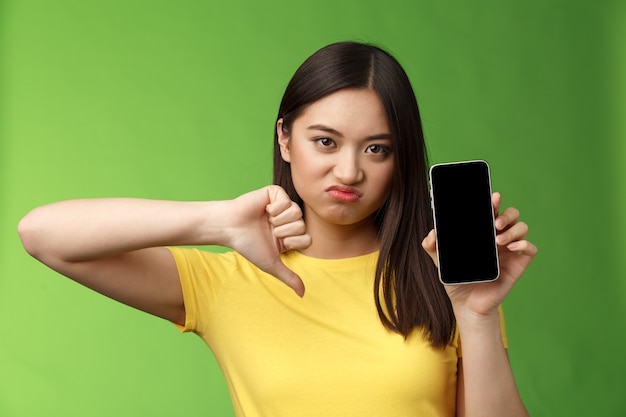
(464, 222)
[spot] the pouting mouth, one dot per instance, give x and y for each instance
(345, 189)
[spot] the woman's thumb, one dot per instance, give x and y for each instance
(286, 275)
(430, 246)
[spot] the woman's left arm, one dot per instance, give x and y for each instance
(486, 386)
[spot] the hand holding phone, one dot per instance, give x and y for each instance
(464, 222)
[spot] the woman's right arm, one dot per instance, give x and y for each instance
(115, 246)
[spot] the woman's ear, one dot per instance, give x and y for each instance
(283, 141)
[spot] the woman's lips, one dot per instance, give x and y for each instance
(344, 194)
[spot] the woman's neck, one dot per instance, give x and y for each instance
(332, 241)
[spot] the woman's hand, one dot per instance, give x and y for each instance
(515, 254)
(267, 222)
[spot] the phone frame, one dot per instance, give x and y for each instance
(433, 204)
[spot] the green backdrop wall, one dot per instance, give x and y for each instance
(176, 100)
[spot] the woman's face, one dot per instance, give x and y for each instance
(341, 156)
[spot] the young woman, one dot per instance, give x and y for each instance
(348, 219)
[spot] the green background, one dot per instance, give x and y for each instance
(177, 100)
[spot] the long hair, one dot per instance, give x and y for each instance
(407, 292)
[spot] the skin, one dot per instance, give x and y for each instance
(340, 151)
(337, 150)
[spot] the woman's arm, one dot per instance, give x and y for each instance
(115, 246)
(485, 382)
(486, 386)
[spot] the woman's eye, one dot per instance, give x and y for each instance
(325, 142)
(378, 149)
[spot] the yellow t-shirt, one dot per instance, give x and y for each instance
(326, 354)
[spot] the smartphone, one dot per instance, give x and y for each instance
(464, 222)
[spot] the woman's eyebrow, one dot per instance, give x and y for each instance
(335, 132)
(325, 129)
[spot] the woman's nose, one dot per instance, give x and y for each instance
(348, 168)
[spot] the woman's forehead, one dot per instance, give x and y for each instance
(345, 111)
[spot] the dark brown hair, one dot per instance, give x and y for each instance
(407, 292)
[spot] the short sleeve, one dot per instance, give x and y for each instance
(202, 275)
